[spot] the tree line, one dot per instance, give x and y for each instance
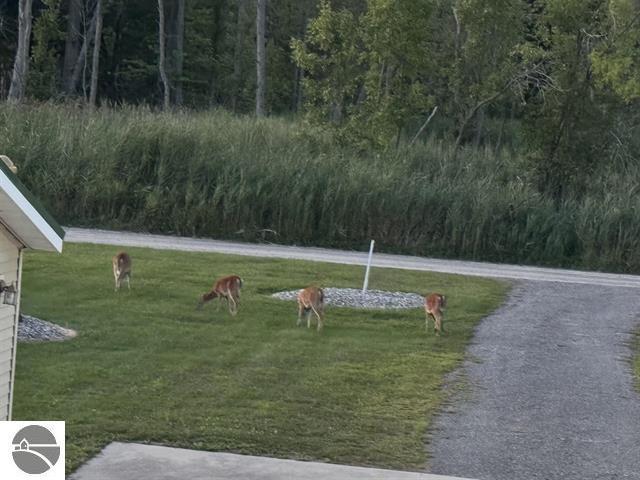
(171, 53)
(556, 80)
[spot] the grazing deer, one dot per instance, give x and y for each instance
(433, 305)
(122, 269)
(227, 288)
(310, 299)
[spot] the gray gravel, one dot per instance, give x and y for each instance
(548, 391)
(32, 329)
(354, 298)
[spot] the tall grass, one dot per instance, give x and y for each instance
(219, 175)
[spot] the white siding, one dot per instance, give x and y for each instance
(5, 345)
(6, 333)
(9, 273)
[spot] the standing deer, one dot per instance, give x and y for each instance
(122, 269)
(227, 288)
(433, 305)
(310, 299)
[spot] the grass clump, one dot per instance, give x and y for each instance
(147, 366)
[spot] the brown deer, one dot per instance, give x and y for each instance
(433, 305)
(311, 299)
(122, 269)
(227, 288)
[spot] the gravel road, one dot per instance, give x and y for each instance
(548, 389)
(517, 272)
(547, 392)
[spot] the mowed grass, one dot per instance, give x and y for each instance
(148, 367)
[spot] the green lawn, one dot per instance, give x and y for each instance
(148, 367)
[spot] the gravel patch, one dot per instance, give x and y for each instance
(354, 298)
(32, 329)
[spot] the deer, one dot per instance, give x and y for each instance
(227, 288)
(433, 305)
(121, 269)
(311, 299)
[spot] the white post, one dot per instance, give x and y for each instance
(366, 275)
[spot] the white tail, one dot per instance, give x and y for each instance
(121, 269)
(311, 299)
(227, 288)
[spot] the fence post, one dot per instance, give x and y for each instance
(366, 275)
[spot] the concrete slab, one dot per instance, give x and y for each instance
(124, 461)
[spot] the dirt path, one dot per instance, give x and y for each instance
(549, 391)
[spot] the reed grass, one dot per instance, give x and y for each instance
(213, 174)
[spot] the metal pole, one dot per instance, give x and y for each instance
(366, 275)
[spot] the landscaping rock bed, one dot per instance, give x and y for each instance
(32, 329)
(354, 298)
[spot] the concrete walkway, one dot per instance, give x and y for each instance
(133, 461)
(516, 272)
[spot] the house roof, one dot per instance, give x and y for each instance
(24, 216)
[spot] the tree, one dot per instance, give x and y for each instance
(79, 67)
(43, 72)
(481, 57)
(568, 124)
(72, 42)
(616, 60)
(236, 54)
(365, 74)
(175, 18)
(261, 57)
(96, 56)
(162, 58)
(21, 65)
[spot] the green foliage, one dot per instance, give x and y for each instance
(47, 33)
(569, 127)
(616, 61)
(363, 71)
(147, 366)
(487, 53)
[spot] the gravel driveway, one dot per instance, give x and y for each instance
(547, 392)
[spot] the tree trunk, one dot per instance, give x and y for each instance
(236, 56)
(95, 64)
(21, 64)
(179, 52)
(72, 42)
(261, 57)
(162, 59)
(81, 60)
(295, 97)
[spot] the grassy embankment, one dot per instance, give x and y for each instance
(215, 174)
(148, 367)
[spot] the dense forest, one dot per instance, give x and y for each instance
(494, 129)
